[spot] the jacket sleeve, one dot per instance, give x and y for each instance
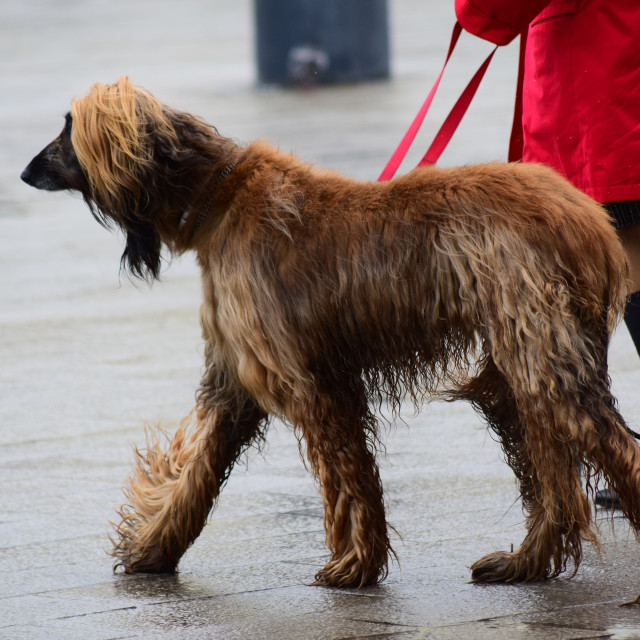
(498, 21)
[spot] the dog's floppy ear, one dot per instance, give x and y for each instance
(111, 144)
(189, 143)
(141, 256)
(143, 249)
(112, 134)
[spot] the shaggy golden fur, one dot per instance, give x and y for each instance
(499, 284)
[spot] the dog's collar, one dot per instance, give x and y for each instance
(204, 212)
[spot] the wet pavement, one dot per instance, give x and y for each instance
(87, 358)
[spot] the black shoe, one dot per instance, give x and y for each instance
(608, 498)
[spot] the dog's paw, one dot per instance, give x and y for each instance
(347, 575)
(333, 575)
(501, 566)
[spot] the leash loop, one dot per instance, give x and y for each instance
(450, 124)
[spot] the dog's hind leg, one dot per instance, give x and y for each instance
(545, 463)
(340, 445)
(605, 443)
(616, 454)
(607, 446)
(490, 395)
(557, 510)
(171, 493)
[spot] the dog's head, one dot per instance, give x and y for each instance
(133, 160)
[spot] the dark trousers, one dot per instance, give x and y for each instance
(632, 318)
(627, 214)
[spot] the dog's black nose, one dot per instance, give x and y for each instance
(26, 176)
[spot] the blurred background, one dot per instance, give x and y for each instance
(59, 266)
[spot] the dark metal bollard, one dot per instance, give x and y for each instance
(321, 41)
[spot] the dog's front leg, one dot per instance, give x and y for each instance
(171, 492)
(339, 442)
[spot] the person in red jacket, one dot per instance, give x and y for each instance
(577, 104)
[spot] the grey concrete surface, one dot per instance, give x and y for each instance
(86, 358)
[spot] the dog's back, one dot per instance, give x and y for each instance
(417, 271)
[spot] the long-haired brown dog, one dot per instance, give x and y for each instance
(498, 284)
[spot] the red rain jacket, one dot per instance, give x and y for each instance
(581, 85)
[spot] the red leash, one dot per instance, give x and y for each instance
(450, 124)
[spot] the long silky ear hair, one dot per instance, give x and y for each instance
(113, 134)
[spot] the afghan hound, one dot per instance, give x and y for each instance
(324, 296)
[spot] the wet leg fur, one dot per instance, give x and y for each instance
(557, 521)
(170, 493)
(543, 443)
(498, 283)
(550, 540)
(614, 455)
(340, 443)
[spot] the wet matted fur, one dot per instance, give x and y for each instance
(499, 284)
